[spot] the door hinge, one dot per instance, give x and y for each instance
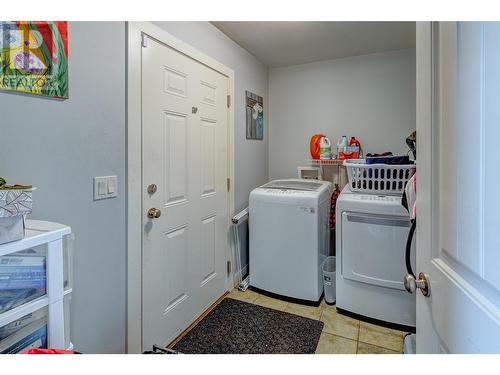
(228, 184)
(228, 264)
(144, 40)
(228, 101)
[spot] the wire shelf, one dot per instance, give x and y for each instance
(335, 162)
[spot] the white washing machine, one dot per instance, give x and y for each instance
(289, 237)
(371, 234)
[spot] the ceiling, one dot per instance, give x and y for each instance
(290, 43)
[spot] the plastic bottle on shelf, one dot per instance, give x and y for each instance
(325, 148)
(356, 150)
(314, 146)
(341, 145)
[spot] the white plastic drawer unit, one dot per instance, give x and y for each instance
(35, 288)
(29, 331)
(23, 274)
(368, 240)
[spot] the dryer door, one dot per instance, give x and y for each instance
(373, 248)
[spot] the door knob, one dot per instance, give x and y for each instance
(154, 213)
(422, 283)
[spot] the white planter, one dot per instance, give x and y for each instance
(11, 229)
(14, 206)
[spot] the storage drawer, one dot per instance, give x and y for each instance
(30, 331)
(23, 277)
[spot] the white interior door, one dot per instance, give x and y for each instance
(458, 201)
(184, 172)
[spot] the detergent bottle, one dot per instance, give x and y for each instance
(355, 148)
(341, 146)
(314, 145)
(325, 148)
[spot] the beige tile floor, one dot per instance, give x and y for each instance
(341, 334)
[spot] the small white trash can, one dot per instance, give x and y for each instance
(329, 271)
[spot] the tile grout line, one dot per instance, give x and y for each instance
(321, 316)
(378, 346)
(339, 337)
(357, 341)
(344, 337)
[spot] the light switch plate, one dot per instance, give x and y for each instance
(105, 187)
(102, 187)
(112, 186)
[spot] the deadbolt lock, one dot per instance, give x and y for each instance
(154, 213)
(152, 188)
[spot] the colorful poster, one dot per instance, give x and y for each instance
(34, 57)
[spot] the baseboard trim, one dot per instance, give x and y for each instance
(285, 298)
(399, 327)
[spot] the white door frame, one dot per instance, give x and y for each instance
(426, 150)
(134, 164)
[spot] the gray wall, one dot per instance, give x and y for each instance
(371, 97)
(251, 164)
(58, 146)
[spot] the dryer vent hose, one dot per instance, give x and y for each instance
(408, 247)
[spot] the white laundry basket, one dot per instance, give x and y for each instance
(329, 273)
(378, 178)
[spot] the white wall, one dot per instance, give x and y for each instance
(371, 97)
(251, 164)
(58, 146)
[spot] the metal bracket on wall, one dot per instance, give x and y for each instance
(244, 284)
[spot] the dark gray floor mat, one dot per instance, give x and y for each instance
(236, 327)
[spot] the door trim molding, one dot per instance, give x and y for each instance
(426, 184)
(134, 213)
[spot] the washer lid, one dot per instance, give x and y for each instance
(304, 185)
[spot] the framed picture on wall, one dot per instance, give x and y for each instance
(255, 116)
(34, 57)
